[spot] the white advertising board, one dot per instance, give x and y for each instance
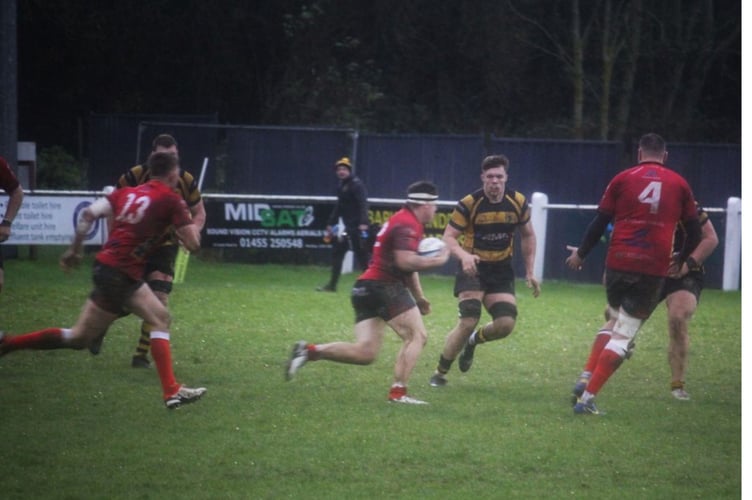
(51, 220)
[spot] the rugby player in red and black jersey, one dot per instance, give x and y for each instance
(141, 215)
(9, 183)
(645, 203)
(682, 296)
(388, 293)
(486, 221)
(160, 266)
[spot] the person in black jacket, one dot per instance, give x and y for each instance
(352, 207)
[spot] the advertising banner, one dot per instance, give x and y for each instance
(51, 220)
(282, 225)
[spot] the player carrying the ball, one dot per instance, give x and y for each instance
(480, 235)
(388, 293)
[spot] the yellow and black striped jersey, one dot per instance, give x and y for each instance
(187, 186)
(488, 228)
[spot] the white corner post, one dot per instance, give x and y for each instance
(347, 262)
(732, 248)
(539, 219)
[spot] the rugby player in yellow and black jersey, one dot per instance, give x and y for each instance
(160, 266)
(480, 235)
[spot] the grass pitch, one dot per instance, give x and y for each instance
(82, 426)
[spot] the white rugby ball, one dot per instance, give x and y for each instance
(430, 247)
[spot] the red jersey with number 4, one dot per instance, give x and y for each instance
(141, 215)
(646, 203)
(402, 231)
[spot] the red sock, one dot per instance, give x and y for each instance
(601, 339)
(49, 338)
(160, 351)
(313, 354)
(608, 363)
(397, 391)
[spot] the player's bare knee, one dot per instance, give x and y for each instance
(366, 355)
(680, 314)
(420, 336)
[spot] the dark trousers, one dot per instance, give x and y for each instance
(339, 248)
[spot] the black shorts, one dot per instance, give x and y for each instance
(638, 294)
(492, 277)
(112, 288)
(693, 282)
(162, 260)
(371, 299)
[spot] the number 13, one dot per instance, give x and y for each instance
(134, 208)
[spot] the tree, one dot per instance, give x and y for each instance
(689, 39)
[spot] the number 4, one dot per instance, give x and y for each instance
(652, 196)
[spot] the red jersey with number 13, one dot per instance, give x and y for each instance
(646, 202)
(141, 215)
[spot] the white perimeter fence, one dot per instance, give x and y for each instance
(732, 249)
(48, 218)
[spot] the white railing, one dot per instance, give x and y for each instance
(63, 230)
(732, 251)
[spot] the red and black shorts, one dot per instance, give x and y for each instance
(371, 299)
(638, 294)
(112, 288)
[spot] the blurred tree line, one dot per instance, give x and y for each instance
(590, 69)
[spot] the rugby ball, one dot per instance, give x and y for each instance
(430, 247)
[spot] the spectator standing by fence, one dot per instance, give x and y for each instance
(352, 207)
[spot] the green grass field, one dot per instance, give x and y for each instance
(81, 426)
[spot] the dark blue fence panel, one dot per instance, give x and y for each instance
(195, 143)
(389, 163)
(567, 171)
(299, 161)
(284, 161)
(114, 139)
(713, 171)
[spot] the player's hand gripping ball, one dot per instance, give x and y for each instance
(430, 247)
